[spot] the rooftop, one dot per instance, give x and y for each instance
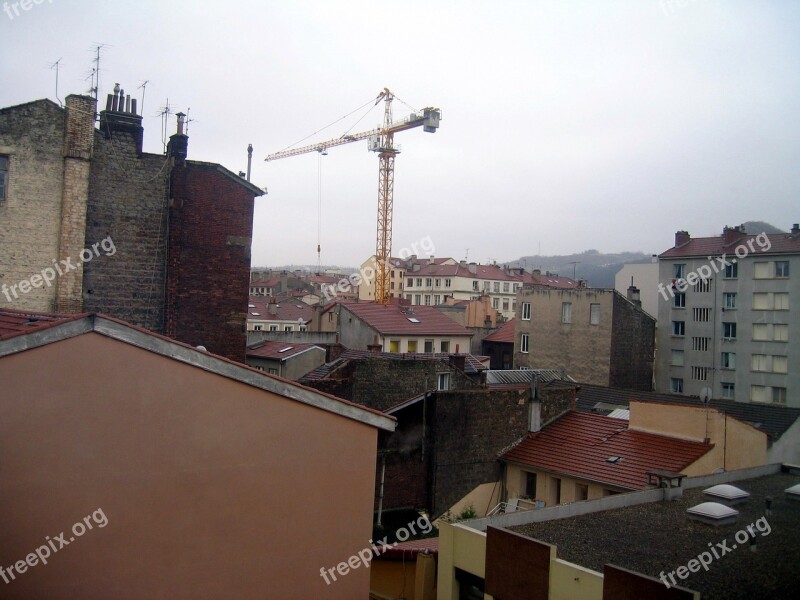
(581, 445)
(396, 319)
(15, 322)
(779, 243)
(287, 309)
(278, 350)
(505, 334)
(658, 536)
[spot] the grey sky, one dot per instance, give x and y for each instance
(573, 125)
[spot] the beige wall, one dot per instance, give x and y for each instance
(209, 488)
(737, 445)
(546, 486)
(583, 350)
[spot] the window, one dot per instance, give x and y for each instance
(679, 301)
(701, 315)
(676, 385)
(272, 371)
(515, 287)
(761, 332)
(410, 282)
(678, 328)
(443, 381)
(429, 346)
(760, 362)
(505, 304)
(487, 286)
(704, 285)
(428, 282)
(780, 364)
(495, 303)
(506, 287)
(303, 327)
(444, 346)
(447, 283)
(526, 311)
(412, 346)
(781, 266)
(728, 360)
(530, 485)
(781, 300)
(761, 270)
(409, 297)
(732, 271)
(475, 285)
(728, 390)
(594, 314)
(3, 176)
(581, 491)
(258, 327)
(523, 343)
(728, 330)
(427, 299)
(676, 358)
(391, 285)
(273, 328)
(729, 300)
(758, 393)
(437, 299)
(417, 299)
(497, 287)
(419, 281)
(438, 283)
(287, 328)
(761, 301)
(780, 333)
(779, 395)
(566, 312)
(679, 271)
(700, 344)
(394, 346)
(700, 373)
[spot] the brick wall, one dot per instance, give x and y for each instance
(633, 341)
(128, 202)
(210, 231)
(32, 136)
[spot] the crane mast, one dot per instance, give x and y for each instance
(381, 141)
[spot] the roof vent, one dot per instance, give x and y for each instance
(713, 513)
(413, 319)
(793, 493)
(614, 459)
(285, 349)
(727, 494)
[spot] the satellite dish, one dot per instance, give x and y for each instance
(705, 395)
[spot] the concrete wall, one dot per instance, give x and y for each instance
(32, 135)
(208, 485)
(459, 548)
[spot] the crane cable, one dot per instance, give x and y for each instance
(327, 126)
(319, 212)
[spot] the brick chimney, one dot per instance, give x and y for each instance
(795, 229)
(78, 145)
(119, 119)
(681, 238)
(731, 234)
(634, 295)
(178, 146)
(272, 307)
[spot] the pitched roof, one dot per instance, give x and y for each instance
(396, 319)
(411, 548)
(772, 419)
(549, 280)
(59, 330)
(505, 334)
(278, 350)
(580, 445)
(779, 243)
(524, 377)
(288, 309)
(16, 322)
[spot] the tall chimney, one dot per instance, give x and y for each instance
(249, 159)
(681, 238)
(178, 146)
(634, 295)
(731, 234)
(796, 229)
(120, 119)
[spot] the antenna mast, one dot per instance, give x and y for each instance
(55, 66)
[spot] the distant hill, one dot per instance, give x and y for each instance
(597, 269)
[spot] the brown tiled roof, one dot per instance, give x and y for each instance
(411, 548)
(277, 350)
(549, 280)
(394, 319)
(288, 310)
(780, 243)
(17, 322)
(580, 444)
(506, 333)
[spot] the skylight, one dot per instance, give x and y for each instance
(713, 513)
(614, 459)
(255, 314)
(727, 493)
(793, 492)
(251, 306)
(285, 349)
(413, 319)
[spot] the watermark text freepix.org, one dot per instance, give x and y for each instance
(718, 550)
(364, 557)
(716, 264)
(56, 543)
(48, 274)
(12, 9)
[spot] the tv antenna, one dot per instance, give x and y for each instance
(143, 87)
(95, 74)
(55, 66)
(164, 113)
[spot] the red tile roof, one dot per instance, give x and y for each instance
(580, 444)
(287, 310)
(411, 548)
(549, 280)
(493, 272)
(278, 350)
(779, 243)
(393, 319)
(17, 322)
(506, 333)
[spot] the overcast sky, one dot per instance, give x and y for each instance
(566, 125)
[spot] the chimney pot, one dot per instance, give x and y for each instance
(681, 238)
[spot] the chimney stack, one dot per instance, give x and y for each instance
(272, 307)
(796, 229)
(681, 238)
(634, 295)
(120, 118)
(178, 146)
(732, 234)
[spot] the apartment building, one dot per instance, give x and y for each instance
(726, 328)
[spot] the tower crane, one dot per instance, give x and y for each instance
(381, 141)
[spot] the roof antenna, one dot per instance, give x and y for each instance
(143, 87)
(55, 66)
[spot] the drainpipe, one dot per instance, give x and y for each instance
(380, 493)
